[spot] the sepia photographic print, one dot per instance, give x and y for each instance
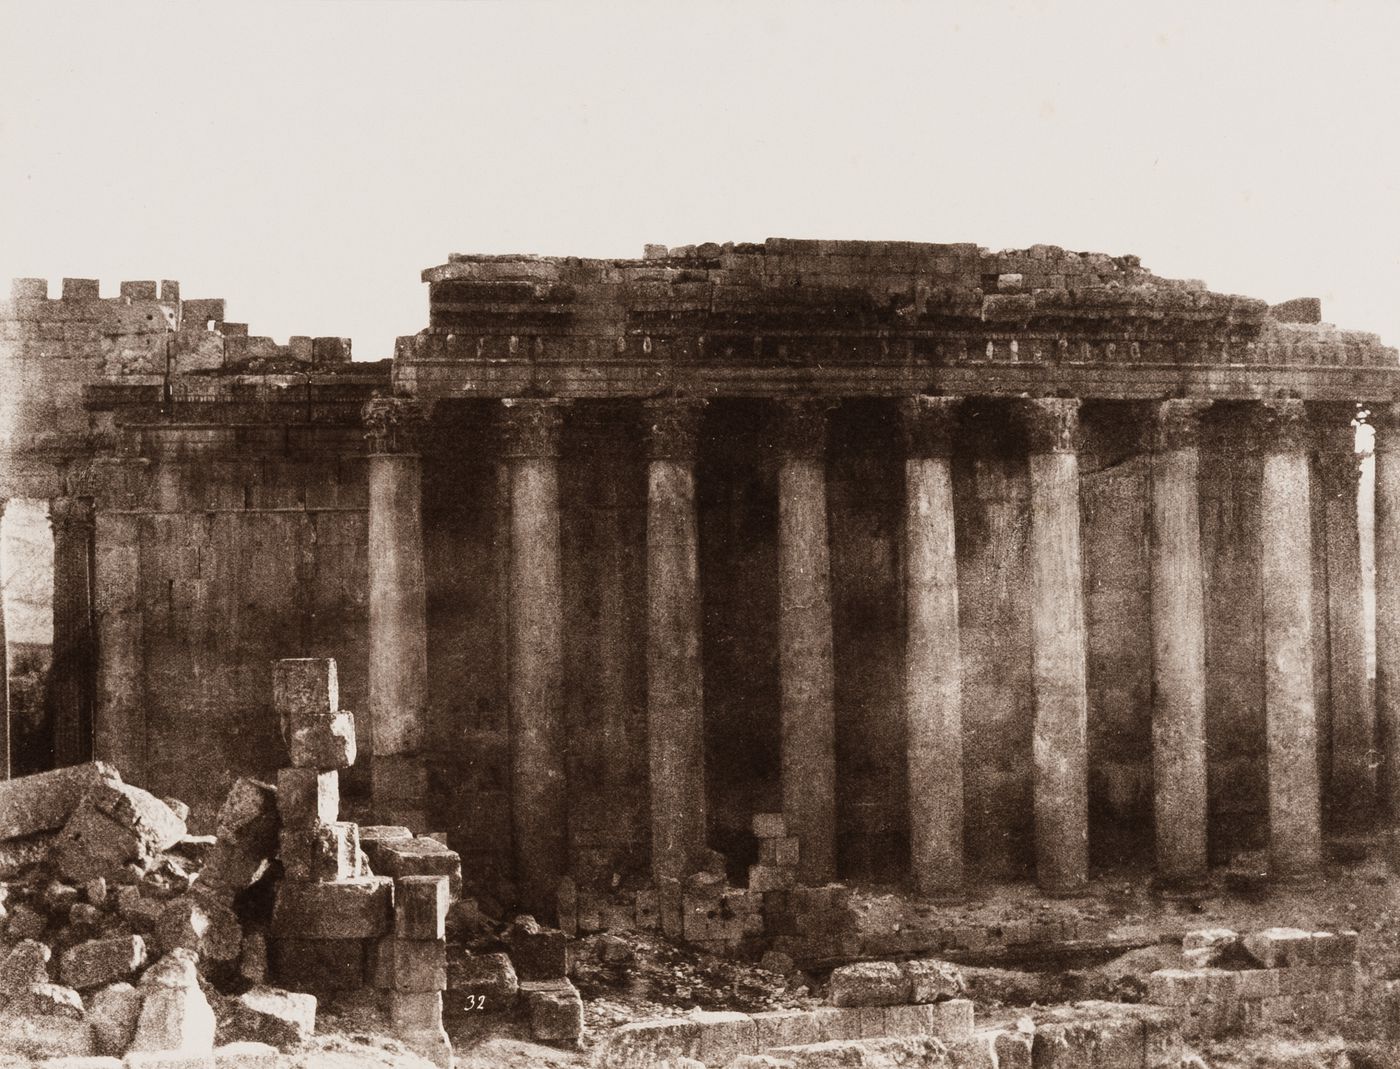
(700, 536)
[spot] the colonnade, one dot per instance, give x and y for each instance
(932, 682)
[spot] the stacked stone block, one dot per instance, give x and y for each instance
(336, 925)
(777, 854)
(1299, 977)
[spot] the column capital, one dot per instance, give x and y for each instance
(800, 429)
(1385, 418)
(929, 425)
(70, 514)
(1334, 439)
(530, 427)
(673, 427)
(1176, 423)
(1051, 424)
(1282, 425)
(394, 424)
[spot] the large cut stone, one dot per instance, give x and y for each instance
(203, 925)
(321, 854)
(45, 801)
(555, 1012)
(319, 964)
(537, 953)
(304, 687)
(307, 798)
(323, 742)
(347, 909)
(25, 965)
(420, 907)
(175, 1018)
(47, 1021)
(115, 825)
(102, 961)
(933, 981)
(271, 1015)
(488, 979)
(870, 983)
(114, 1011)
(419, 856)
(409, 964)
(247, 837)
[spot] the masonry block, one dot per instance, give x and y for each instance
(324, 853)
(419, 856)
(307, 798)
(81, 289)
(322, 742)
(304, 687)
(784, 1028)
(537, 953)
(347, 909)
(29, 289)
(869, 983)
(724, 1036)
(554, 1010)
(415, 1009)
(1276, 948)
(139, 291)
(769, 825)
(319, 964)
(771, 878)
(420, 907)
(408, 964)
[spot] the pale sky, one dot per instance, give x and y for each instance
(306, 161)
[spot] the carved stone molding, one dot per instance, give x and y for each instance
(800, 429)
(929, 425)
(1281, 425)
(394, 424)
(70, 514)
(1385, 418)
(1176, 423)
(1051, 424)
(530, 427)
(1334, 439)
(673, 427)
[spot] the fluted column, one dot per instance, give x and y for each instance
(675, 684)
(1060, 738)
(539, 795)
(804, 639)
(70, 691)
(932, 652)
(1178, 645)
(1386, 419)
(1353, 772)
(1285, 534)
(398, 629)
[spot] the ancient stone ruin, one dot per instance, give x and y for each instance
(772, 601)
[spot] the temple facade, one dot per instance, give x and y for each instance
(971, 565)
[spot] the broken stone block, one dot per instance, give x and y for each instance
(383, 833)
(724, 1036)
(413, 1011)
(247, 827)
(307, 798)
(1276, 948)
(25, 965)
(203, 925)
(781, 851)
(319, 964)
(137, 910)
(933, 981)
(420, 907)
(95, 891)
(175, 1019)
(431, 1044)
(47, 1021)
(488, 979)
(869, 983)
(45, 801)
(114, 825)
(554, 1010)
(271, 1015)
(324, 742)
(537, 953)
(408, 964)
(420, 856)
(769, 825)
(17, 855)
(179, 808)
(321, 854)
(771, 878)
(347, 909)
(114, 1011)
(26, 923)
(102, 961)
(304, 687)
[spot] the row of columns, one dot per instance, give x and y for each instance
(932, 669)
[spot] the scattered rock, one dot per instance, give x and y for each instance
(115, 824)
(25, 965)
(491, 978)
(114, 1011)
(102, 961)
(869, 983)
(554, 1010)
(205, 926)
(271, 1015)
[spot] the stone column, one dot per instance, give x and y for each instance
(1285, 543)
(675, 686)
(1353, 773)
(398, 628)
(1178, 645)
(932, 653)
(70, 690)
(120, 715)
(535, 658)
(1060, 737)
(804, 639)
(1386, 419)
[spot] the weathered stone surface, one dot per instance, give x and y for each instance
(419, 856)
(323, 742)
(408, 964)
(931, 980)
(1276, 948)
(271, 1015)
(554, 1010)
(45, 801)
(319, 964)
(537, 953)
(322, 854)
(414, 1011)
(431, 1044)
(304, 688)
(102, 961)
(175, 1019)
(347, 909)
(874, 1053)
(252, 960)
(25, 922)
(114, 825)
(176, 969)
(489, 978)
(16, 855)
(203, 925)
(383, 833)
(247, 836)
(420, 907)
(114, 1011)
(26, 964)
(47, 1021)
(245, 1055)
(307, 798)
(869, 983)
